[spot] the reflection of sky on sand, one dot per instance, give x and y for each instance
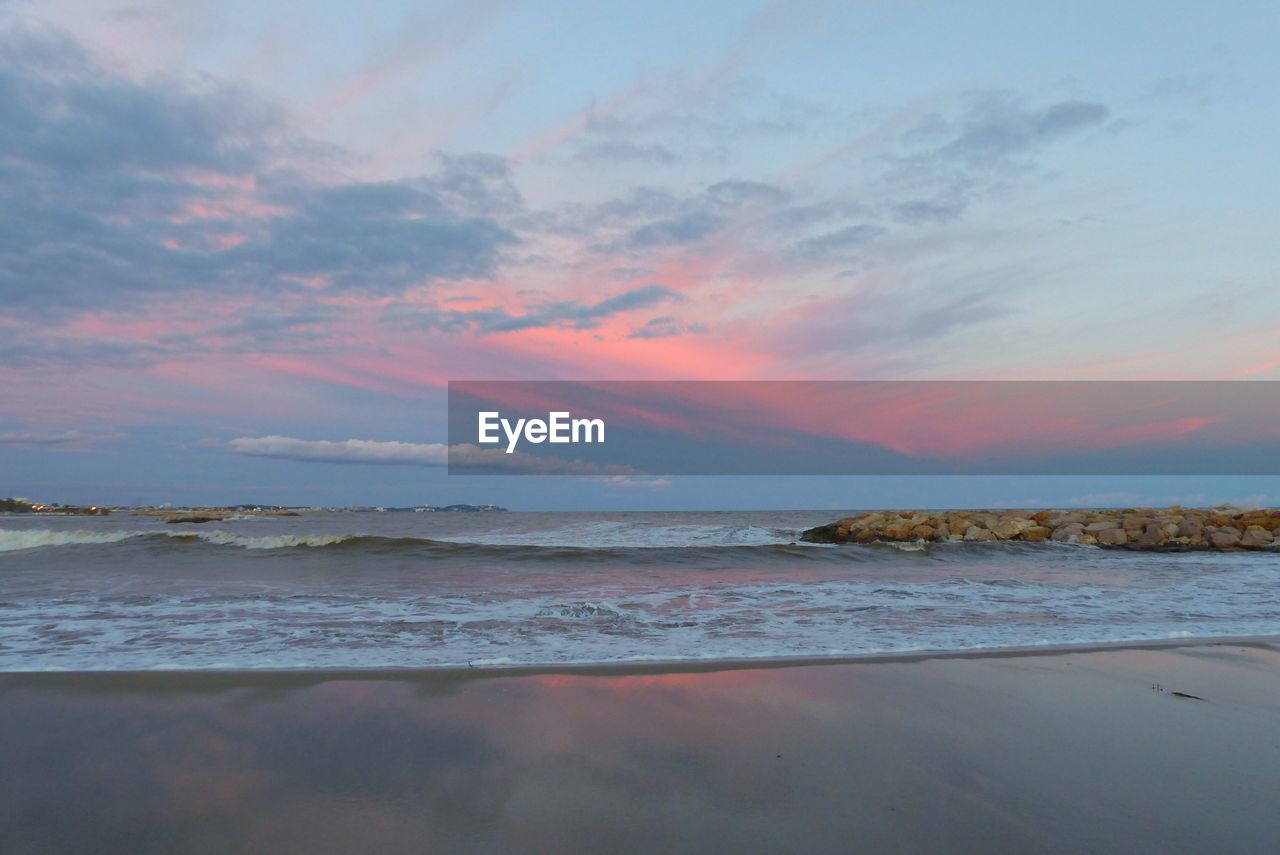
(973, 752)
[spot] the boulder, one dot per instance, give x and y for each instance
(1009, 529)
(923, 532)
(1152, 535)
(1114, 536)
(1134, 525)
(1262, 519)
(975, 533)
(1255, 536)
(829, 533)
(899, 530)
(1068, 532)
(1036, 533)
(1226, 537)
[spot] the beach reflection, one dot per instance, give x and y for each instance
(408, 765)
(970, 754)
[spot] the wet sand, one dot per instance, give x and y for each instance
(1046, 752)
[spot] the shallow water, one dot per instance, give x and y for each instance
(343, 590)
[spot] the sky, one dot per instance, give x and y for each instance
(223, 222)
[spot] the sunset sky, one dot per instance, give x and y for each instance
(228, 221)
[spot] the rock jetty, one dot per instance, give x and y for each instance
(1171, 529)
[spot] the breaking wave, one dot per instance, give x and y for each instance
(11, 541)
(690, 548)
(701, 548)
(388, 590)
(14, 540)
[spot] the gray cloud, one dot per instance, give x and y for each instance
(391, 453)
(547, 314)
(376, 238)
(111, 186)
(60, 110)
(928, 176)
(345, 451)
(685, 228)
(649, 218)
(996, 127)
(624, 151)
(61, 437)
(666, 326)
(838, 243)
(944, 207)
(894, 327)
(944, 162)
(302, 330)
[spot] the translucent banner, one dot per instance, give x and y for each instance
(864, 428)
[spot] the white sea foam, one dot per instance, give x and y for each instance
(36, 538)
(280, 541)
(197, 597)
(610, 534)
(39, 538)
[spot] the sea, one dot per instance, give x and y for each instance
(344, 590)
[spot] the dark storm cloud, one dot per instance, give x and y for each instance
(112, 186)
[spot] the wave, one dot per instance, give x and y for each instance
(702, 551)
(12, 541)
(607, 533)
(278, 541)
(15, 540)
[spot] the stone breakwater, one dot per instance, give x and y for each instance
(1170, 529)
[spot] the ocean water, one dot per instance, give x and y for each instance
(355, 590)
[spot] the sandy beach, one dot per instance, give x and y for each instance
(1078, 751)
